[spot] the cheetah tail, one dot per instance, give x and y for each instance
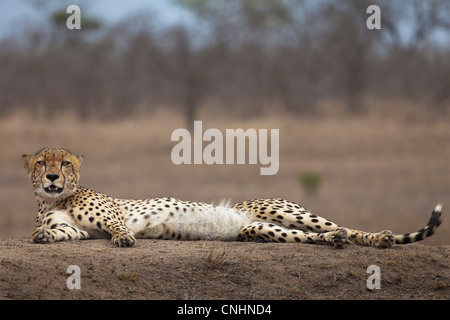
(425, 232)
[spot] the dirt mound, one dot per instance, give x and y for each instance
(219, 270)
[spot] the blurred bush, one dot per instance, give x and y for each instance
(310, 182)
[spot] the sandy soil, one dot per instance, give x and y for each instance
(219, 270)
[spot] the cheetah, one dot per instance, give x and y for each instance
(70, 212)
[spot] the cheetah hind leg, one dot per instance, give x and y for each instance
(268, 232)
(382, 239)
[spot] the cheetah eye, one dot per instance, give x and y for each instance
(41, 163)
(65, 163)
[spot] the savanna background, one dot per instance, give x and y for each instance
(363, 117)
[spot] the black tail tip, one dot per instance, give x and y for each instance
(436, 216)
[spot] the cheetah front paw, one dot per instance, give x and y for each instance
(124, 241)
(339, 238)
(43, 235)
(383, 239)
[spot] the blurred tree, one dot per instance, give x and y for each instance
(413, 26)
(59, 19)
(421, 46)
(84, 58)
(240, 54)
(188, 71)
(348, 43)
(242, 34)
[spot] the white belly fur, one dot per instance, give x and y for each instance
(206, 223)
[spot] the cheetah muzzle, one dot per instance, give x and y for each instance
(52, 189)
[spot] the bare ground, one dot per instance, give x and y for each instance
(219, 270)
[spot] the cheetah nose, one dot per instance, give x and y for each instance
(52, 177)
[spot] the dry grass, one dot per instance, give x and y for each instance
(376, 173)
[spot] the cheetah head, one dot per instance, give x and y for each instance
(54, 173)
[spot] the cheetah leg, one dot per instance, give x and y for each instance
(385, 238)
(382, 239)
(61, 232)
(311, 222)
(56, 226)
(308, 221)
(291, 215)
(286, 213)
(268, 232)
(121, 235)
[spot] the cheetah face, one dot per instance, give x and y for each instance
(54, 173)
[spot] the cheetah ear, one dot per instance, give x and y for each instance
(80, 158)
(26, 161)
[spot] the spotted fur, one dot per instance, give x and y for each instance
(69, 212)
